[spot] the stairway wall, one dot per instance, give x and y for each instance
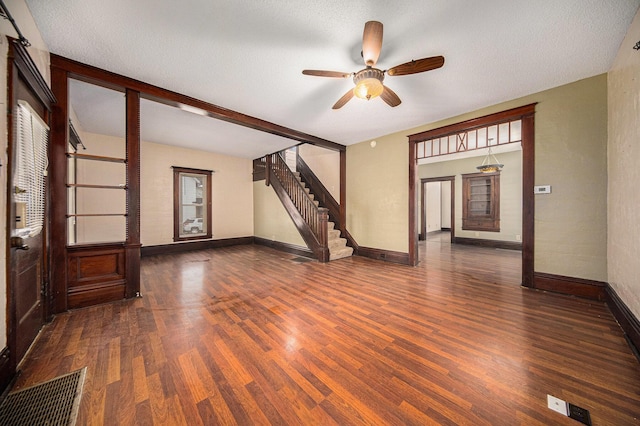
(325, 165)
(270, 220)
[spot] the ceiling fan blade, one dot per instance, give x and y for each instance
(321, 73)
(343, 100)
(390, 97)
(371, 42)
(414, 67)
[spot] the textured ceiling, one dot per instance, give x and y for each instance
(248, 56)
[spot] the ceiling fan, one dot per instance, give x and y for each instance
(368, 81)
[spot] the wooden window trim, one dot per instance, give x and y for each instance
(488, 222)
(176, 204)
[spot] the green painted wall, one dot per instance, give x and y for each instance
(570, 155)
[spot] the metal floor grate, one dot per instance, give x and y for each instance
(54, 402)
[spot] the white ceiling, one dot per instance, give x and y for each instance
(248, 55)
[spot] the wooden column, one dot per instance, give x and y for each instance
(58, 191)
(528, 198)
(343, 191)
(413, 218)
(132, 247)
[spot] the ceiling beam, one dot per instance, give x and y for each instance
(100, 77)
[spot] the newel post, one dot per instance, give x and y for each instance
(323, 233)
(267, 171)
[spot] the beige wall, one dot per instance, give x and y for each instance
(325, 163)
(100, 201)
(510, 193)
(624, 172)
(570, 223)
(232, 204)
(433, 206)
(232, 198)
(40, 54)
(377, 192)
(270, 219)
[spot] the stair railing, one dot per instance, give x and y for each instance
(323, 195)
(310, 219)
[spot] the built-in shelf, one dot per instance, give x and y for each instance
(97, 215)
(96, 157)
(82, 185)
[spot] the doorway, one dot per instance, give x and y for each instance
(456, 138)
(30, 102)
(441, 190)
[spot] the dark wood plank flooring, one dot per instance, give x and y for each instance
(246, 335)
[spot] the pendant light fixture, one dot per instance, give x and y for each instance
(490, 164)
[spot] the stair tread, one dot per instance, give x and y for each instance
(332, 234)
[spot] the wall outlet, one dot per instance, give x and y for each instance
(518, 237)
(557, 405)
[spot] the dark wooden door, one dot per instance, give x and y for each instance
(26, 272)
(26, 283)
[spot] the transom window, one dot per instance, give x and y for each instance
(471, 139)
(191, 204)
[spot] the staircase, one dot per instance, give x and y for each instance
(338, 248)
(312, 221)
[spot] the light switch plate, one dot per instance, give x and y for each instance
(557, 405)
(542, 189)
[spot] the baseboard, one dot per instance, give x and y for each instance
(627, 320)
(589, 289)
(6, 375)
(193, 245)
(386, 255)
(285, 247)
(505, 245)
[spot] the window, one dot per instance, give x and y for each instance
(481, 202)
(32, 135)
(191, 204)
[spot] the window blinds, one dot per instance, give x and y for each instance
(32, 136)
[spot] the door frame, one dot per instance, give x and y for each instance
(423, 204)
(21, 70)
(526, 114)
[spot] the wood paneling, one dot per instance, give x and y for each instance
(95, 275)
(68, 292)
(247, 335)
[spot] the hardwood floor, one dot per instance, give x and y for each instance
(248, 335)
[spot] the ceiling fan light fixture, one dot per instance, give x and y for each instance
(368, 88)
(368, 83)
